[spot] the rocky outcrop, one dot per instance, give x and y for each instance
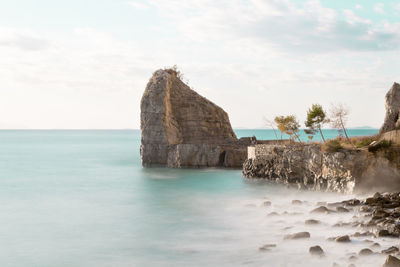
(180, 128)
(392, 120)
(307, 166)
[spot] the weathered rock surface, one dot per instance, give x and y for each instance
(392, 120)
(180, 128)
(307, 166)
(391, 261)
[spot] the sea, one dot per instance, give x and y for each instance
(82, 198)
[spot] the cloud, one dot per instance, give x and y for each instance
(23, 39)
(358, 6)
(378, 8)
(309, 27)
(138, 5)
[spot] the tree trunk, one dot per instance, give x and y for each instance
(344, 130)
(276, 136)
(320, 131)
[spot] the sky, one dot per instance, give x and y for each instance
(84, 64)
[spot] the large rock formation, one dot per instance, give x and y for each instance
(307, 166)
(392, 120)
(180, 128)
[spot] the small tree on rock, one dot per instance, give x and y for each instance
(316, 118)
(338, 118)
(288, 125)
(271, 124)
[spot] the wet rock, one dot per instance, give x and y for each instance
(267, 203)
(352, 202)
(365, 209)
(342, 239)
(266, 247)
(353, 258)
(391, 261)
(371, 201)
(341, 209)
(341, 224)
(390, 250)
(316, 250)
(321, 209)
(375, 245)
(383, 233)
(365, 252)
(273, 214)
(312, 222)
(298, 235)
(297, 202)
(367, 233)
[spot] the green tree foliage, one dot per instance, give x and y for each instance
(288, 125)
(316, 118)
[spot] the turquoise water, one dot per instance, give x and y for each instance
(81, 198)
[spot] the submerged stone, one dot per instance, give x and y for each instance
(365, 252)
(266, 247)
(321, 209)
(391, 250)
(312, 222)
(342, 239)
(298, 235)
(316, 250)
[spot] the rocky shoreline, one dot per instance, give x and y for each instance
(374, 219)
(307, 166)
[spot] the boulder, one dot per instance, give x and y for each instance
(391, 261)
(180, 128)
(342, 239)
(392, 104)
(298, 235)
(316, 250)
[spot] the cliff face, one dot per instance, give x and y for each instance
(392, 120)
(306, 166)
(180, 128)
